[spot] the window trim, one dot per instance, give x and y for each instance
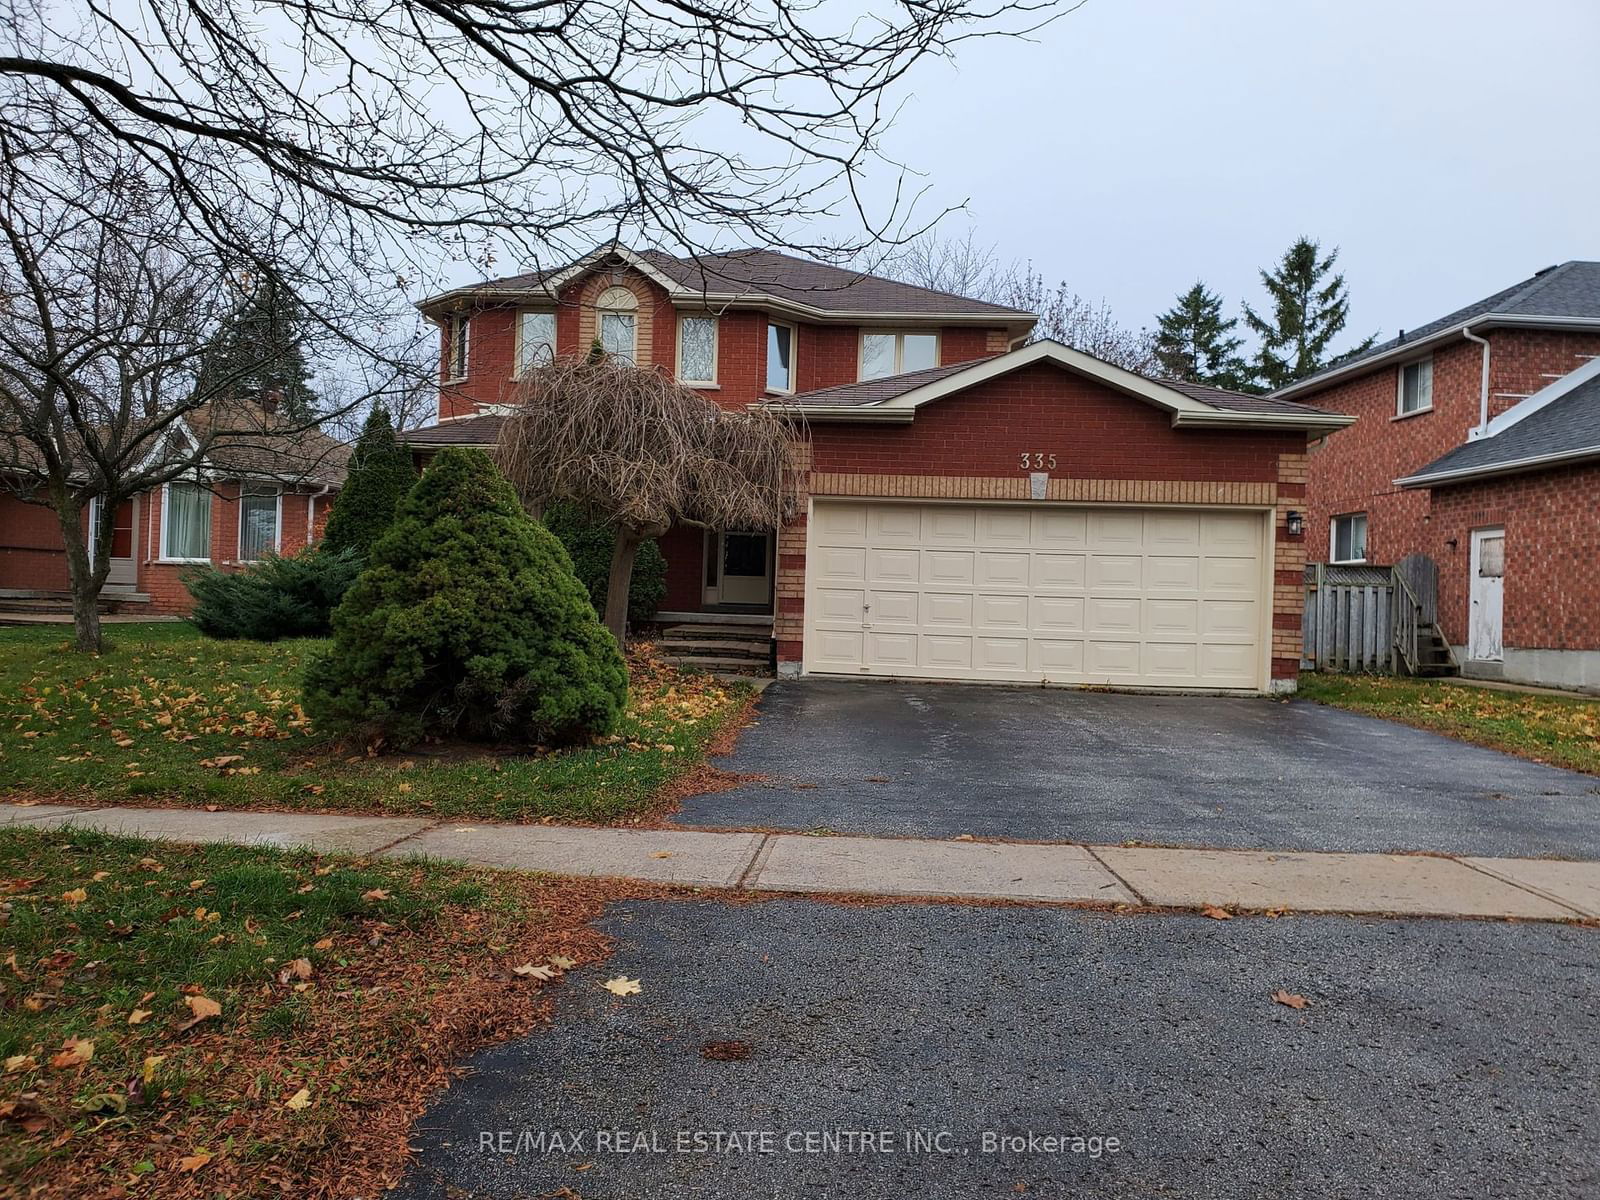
(1400, 410)
(899, 336)
(166, 512)
(518, 367)
(458, 347)
(1333, 539)
(794, 358)
(277, 526)
(716, 349)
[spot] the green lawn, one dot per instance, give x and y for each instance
(1550, 729)
(169, 717)
(332, 996)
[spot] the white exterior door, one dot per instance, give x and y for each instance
(1168, 597)
(124, 569)
(1485, 641)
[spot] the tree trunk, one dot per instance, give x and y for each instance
(620, 580)
(87, 566)
(86, 620)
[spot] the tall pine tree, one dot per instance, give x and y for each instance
(259, 349)
(379, 477)
(1195, 343)
(1310, 307)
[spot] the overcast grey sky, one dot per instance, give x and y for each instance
(1449, 149)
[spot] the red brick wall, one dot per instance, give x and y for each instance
(32, 557)
(1552, 579)
(1094, 433)
(1354, 470)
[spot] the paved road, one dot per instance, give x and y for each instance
(1437, 1058)
(939, 760)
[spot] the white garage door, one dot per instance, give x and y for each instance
(1135, 596)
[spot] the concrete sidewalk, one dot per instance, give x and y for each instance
(1400, 884)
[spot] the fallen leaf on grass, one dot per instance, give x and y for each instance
(151, 1065)
(1290, 999)
(324, 944)
(75, 896)
(221, 760)
(203, 1008)
(622, 986)
(74, 1053)
(20, 1062)
(1215, 913)
(376, 894)
(193, 1162)
(529, 971)
(301, 1099)
(139, 1016)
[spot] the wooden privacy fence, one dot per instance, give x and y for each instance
(1350, 616)
(1366, 618)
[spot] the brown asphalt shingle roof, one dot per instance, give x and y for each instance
(464, 431)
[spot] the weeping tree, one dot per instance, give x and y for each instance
(631, 447)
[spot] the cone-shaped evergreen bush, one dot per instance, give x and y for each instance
(468, 622)
(379, 476)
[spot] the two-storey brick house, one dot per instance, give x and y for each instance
(977, 507)
(1477, 443)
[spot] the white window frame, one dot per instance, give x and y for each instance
(1333, 538)
(277, 528)
(458, 348)
(1400, 409)
(899, 336)
(519, 366)
(166, 511)
(794, 358)
(716, 349)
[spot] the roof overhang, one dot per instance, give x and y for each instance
(1536, 462)
(1412, 349)
(1186, 411)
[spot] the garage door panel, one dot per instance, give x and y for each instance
(1003, 612)
(1056, 614)
(840, 604)
(944, 568)
(894, 525)
(949, 526)
(1113, 615)
(1069, 594)
(1175, 662)
(895, 608)
(947, 609)
(946, 652)
(1058, 572)
(892, 566)
(1003, 568)
(1116, 572)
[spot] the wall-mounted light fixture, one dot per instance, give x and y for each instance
(1295, 522)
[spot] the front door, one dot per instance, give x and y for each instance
(1484, 634)
(123, 572)
(745, 567)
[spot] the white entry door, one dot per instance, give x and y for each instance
(123, 572)
(1168, 597)
(1485, 631)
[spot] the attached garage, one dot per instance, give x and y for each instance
(1043, 517)
(1067, 594)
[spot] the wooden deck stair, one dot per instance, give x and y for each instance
(721, 648)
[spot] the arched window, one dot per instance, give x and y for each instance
(619, 322)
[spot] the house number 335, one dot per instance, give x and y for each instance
(1038, 462)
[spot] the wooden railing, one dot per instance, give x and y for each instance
(1369, 618)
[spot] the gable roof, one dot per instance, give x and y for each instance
(1566, 296)
(1558, 424)
(896, 398)
(784, 283)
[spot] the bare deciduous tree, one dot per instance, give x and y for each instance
(109, 381)
(644, 453)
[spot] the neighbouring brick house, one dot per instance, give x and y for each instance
(255, 493)
(977, 507)
(1477, 443)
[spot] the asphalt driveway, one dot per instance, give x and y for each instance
(941, 760)
(1436, 1058)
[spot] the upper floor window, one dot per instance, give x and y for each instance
(455, 366)
(780, 357)
(185, 523)
(260, 521)
(896, 353)
(1348, 538)
(1416, 387)
(536, 339)
(619, 323)
(697, 350)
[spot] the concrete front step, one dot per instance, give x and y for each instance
(717, 662)
(717, 633)
(759, 650)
